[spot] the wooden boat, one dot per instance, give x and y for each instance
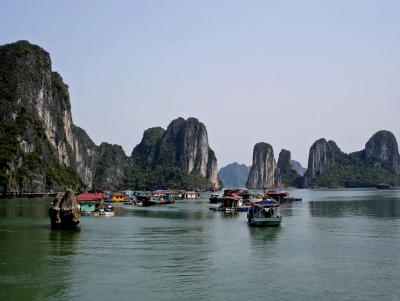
(215, 198)
(153, 200)
(264, 213)
(280, 196)
(383, 186)
(231, 203)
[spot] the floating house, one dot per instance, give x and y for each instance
(90, 202)
(167, 194)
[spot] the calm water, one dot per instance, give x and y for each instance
(335, 245)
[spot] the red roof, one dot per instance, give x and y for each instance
(118, 194)
(89, 197)
(232, 196)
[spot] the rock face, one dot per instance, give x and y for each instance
(323, 154)
(378, 163)
(234, 175)
(177, 156)
(86, 156)
(41, 149)
(288, 174)
(110, 171)
(188, 141)
(64, 212)
(38, 146)
(382, 151)
(262, 172)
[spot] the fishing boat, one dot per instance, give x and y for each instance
(231, 203)
(280, 196)
(215, 198)
(107, 210)
(264, 213)
(382, 186)
(152, 200)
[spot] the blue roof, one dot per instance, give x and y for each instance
(267, 202)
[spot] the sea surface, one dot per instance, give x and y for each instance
(334, 245)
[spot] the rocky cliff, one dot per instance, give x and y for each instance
(288, 175)
(37, 141)
(378, 163)
(323, 154)
(262, 172)
(234, 175)
(110, 171)
(177, 157)
(382, 151)
(41, 149)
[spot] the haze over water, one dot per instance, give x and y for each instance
(335, 245)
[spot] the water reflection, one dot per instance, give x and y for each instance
(263, 235)
(371, 206)
(22, 207)
(167, 212)
(64, 242)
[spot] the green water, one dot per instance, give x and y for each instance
(335, 245)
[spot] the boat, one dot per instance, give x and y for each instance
(264, 213)
(382, 186)
(152, 200)
(231, 203)
(190, 195)
(215, 198)
(107, 210)
(280, 196)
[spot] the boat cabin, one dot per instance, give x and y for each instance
(277, 195)
(232, 201)
(264, 213)
(190, 195)
(89, 206)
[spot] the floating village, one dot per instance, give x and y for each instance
(262, 209)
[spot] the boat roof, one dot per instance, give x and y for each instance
(118, 194)
(85, 197)
(267, 203)
(231, 197)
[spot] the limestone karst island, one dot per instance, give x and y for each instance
(213, 150)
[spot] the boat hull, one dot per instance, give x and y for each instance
(265, 222)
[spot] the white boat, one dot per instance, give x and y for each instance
(264, 213)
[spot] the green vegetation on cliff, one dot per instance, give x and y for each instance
(162, 158)
(27, 160)
(378, 162)
(354, 176)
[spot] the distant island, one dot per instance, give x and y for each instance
(328, 166)
(41, 149)
(234, 175)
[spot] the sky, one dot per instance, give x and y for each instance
(282, 72)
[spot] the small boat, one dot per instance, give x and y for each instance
(230, 203)
(156, 200)
(382, 186)
(264, 213)
(107, 211)
(215, 198)
(280, 196)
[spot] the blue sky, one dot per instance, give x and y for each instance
(283, 72)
